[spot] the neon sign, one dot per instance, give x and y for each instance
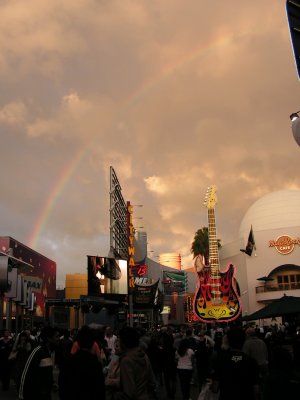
(133, 268)
(284, 244)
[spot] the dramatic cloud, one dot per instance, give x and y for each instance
(174, 95)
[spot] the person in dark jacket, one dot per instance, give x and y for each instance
(23, 347)
(82, 375)
(169, 364)
(236, 374)
(136, 375)
(37, 378)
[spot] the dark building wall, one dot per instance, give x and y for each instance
(43, 268)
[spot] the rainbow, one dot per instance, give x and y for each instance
(54, 194)
(128, 103)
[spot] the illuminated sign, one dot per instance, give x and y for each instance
(284, 244)
(131, 250)
(188, 309)
(134, 269)
(34, 283)
(144, 281)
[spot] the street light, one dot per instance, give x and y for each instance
(136, 228)
(294, 117)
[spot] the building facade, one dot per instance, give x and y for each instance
(28, 287)
(273, 268)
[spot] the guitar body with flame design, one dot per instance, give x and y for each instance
(224, 308)
(217, 296)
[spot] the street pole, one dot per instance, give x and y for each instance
(1, 310)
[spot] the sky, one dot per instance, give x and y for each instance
(175, 95)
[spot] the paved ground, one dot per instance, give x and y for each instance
(11, 394)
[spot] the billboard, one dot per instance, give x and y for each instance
(174, 281)
(118, 218)
(106, 275)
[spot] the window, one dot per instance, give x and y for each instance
(289, 281)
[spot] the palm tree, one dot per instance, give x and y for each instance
(200, 243)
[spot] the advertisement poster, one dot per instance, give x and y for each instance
(106, 275)
(174, 282)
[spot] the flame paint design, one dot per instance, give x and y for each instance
(223, 308)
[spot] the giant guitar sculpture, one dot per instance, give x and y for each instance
(217, 296)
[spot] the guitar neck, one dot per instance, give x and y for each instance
(213, 244)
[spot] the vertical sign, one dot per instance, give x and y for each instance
(131, 263)
(118, 219)
(131, 250)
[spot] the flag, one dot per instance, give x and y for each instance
(250, 244)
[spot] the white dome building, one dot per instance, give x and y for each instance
(273, 268)
(274, 210)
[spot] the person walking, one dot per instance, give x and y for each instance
(236, 375)
(111, 341)
(136, 376)
(184, 356)
(257, 349)
(203, 356)
(168, 361)
(112, 372)
(37, 378)
(22, 348)
(82, 374)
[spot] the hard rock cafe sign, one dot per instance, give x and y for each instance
(284, 244)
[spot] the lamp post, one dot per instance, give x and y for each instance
(294, 117)
(136, 228)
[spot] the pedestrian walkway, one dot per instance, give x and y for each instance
(11, 394)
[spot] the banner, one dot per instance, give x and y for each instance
(145, 295)
(250, 244)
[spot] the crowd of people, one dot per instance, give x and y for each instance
(99, 363)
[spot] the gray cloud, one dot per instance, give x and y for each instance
(175, 95)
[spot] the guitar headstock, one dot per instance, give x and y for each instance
(210, 197)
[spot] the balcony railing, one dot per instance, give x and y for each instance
(275, 288)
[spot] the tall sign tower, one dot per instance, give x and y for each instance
(118, 219)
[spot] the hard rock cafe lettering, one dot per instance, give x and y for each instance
(284, 244)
